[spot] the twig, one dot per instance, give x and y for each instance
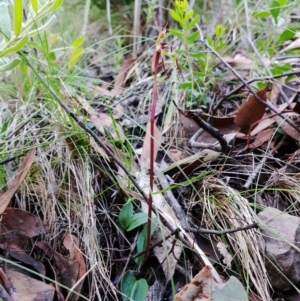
(215, 232)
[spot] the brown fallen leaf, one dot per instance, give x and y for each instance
(27, 288)
(21, 174)
(145, 156)
(16, 252)
(68, 269)
(14, 219)
(251, 112)
(262, 137)
(71, 243)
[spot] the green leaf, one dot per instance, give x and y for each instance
(78, 42)
(198, 55)
(125, 215)
(5, 22)
(174, 15)
(127, 284)
(18, 16)
(43, 27)
(192, 37)
(140, 290)
(287, 34)
(142, 240)
(219, 30)
(186, 85)
(19, 45)
(209, 40)
(10, 65)
(34, 5)
(261, 14)
(282, 2)
(189, 14)
(137, 220)
(176, 33)
(193, 22)
(56, 5)
(279, 69)
(74, 58)
(275, 10)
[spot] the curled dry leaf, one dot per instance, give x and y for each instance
(68, 269)
(145, 156)
(203, 287)
(71, 243)
(251, 112)
(21, 174)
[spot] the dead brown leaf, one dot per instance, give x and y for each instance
(251, 112)
(22, 173)
(262, 137)
(71, 243)
(27, 288)
(14, 219)
(145, 156)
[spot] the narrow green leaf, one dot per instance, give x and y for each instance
(176, 33)
(198, 55)
(192, 37)
(137, 220)
(189, 14)
(140, 290)
(78, 42)
(193, 22)
(18, 16)
(5, 22)
(125, 215)
(275, 10)
(174, 15)
(56, 5)
(186, 85)
(19, 45)
(43, 27)
(74, 58)
(10, 65)
(142, 240)
(127, 284)
(261, 14)
(34, 5)
(219, 30)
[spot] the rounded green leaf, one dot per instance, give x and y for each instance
(140, 290)
(78, 42)
(125, 215)
(127, 284)
(137, 220)
(5, 22)
(18, 16)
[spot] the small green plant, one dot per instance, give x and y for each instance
(132, 288)
(16, 33)
(130, 221)
(197, 64)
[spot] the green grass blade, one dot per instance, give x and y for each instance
(18, 16)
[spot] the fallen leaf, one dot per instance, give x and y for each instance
(71, 243)
(251, 112)
(239, 61)
(262, 137)
(167, 253)
(145, 156)
(14, 219)
(121, 77)
(293, 118)
(19, 254)
(22, 173)
(293, 45)
(68, 269)
(175, 154)
(203, 287)
(27, 288)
